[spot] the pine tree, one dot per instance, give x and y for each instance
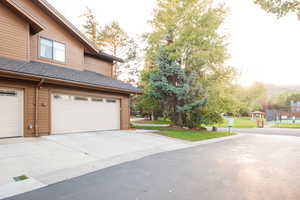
(91, 25)
(114, 40)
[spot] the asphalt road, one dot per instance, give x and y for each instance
(251, 167)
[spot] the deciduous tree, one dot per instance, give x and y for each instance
(185, 59)
(280, 7)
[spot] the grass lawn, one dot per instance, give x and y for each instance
(160, 121)
(190, 135)
(242, 122)
(286, 126)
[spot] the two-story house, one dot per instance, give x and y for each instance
(53, 80)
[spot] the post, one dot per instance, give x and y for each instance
(230, 124)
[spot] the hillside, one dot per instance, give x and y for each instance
(275, 90)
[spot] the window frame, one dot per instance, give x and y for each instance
(51, 59)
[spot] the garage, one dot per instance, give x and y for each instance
(11, 112)
(71, 114)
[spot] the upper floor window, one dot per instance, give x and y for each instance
(52, 50)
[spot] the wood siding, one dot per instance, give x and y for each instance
(54, 31)
(99, 66)
(44, 103)
(14, 35)
(16, 42)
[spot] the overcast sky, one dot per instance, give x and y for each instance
(262, 47)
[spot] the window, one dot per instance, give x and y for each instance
(111, 101)
(63, 97)
(7, 93)
(59, 52)
(81, 98)
(97, 99)
(58, 97)
(52, 50)
(46, 48)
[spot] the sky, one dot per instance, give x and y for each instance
(262, 47)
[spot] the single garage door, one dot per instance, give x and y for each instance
(72, 114)
(11, 113)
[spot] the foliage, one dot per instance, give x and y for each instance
(283, 101)
(114, 40)
(91, 26)
(173, 86)
(251, 98)
(184, 62)
(280, 7)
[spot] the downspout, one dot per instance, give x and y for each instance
(37, 88)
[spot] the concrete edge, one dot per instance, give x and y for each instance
(151, 125)
(221, 139)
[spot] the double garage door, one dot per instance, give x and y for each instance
(69, 113)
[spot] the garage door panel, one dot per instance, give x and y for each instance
(11, 116)
(71, 115)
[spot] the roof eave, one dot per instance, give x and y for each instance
(12, 74)
(35, 25)
(62, 20)
(104, 56)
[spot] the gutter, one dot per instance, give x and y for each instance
(67, 82)
(37, 88)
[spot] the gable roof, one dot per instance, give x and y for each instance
(35, 25)
(44, 70)
(58, 17)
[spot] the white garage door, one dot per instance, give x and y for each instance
(11, 113)
(72, 114)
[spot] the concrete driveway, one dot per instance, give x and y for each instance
(52, 159)
(251, 167)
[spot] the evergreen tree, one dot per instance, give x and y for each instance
(91, 26)
(186, 56)
(115, 40)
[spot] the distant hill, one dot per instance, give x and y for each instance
(275, 90)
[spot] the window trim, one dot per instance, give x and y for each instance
(52, 60)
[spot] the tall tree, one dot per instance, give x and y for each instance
(91, 26)
(185, 54)
(280, 7)
(115, 40)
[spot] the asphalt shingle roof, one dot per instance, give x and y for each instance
(52, 71)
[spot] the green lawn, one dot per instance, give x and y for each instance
(190, 135)
(160, 121)
(286, 126)
(242, 122)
